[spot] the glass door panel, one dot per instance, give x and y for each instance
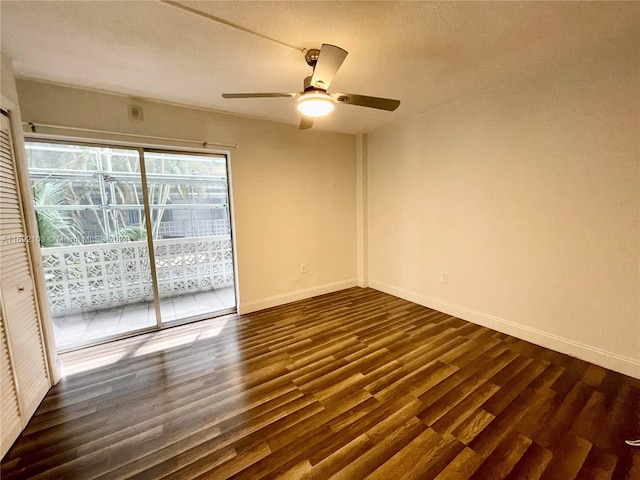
(98, 211)
(90, 215)
(189, 209)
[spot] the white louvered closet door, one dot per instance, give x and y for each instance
(11, 422)
(24, 371)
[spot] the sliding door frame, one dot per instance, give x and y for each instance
(151, 246)
(171, 150)
(141, 148)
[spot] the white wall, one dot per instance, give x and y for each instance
(294, 192)
(528, 196)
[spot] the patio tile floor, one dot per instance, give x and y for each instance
(80, 328)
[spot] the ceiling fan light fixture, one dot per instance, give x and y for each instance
(314, 101)
(315, 104)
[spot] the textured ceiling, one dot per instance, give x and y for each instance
(425, 54)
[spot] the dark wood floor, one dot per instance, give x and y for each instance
(353, 384)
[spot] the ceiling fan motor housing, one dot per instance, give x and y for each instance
(311, 56)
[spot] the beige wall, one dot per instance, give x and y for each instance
(7, 81)
(294, 192)
(527, 195)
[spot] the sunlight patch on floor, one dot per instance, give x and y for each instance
(101, 356)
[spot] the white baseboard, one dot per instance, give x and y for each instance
(612, 361)
(284, 298)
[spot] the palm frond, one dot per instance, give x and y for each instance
(55, 227)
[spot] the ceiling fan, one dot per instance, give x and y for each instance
(314, 101)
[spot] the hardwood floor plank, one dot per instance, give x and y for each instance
(433, 461)
(489, 438)
(416, 460)
(502, 460)
(599, 465)
(344, 455)
(462, 466)
(532, 464)
(418, 381)
(561, 418)
(353, 384)
(365, 405)
(472, 426)
(402, 410)
(574, 452)
(452, 383)
(208, 469)
(155, 462)
(443, 405)
(385, 448)
(509, 391)
(460, 412)
(88, 466)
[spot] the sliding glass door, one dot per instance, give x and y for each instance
(126, 250)
(189, 206)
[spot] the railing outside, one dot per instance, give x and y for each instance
(180, 228)
(105, 275)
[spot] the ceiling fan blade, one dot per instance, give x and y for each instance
(257, 95)
(305, 123)
(329, 62)
(365, 101)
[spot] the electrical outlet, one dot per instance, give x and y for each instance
(303, 268)
(445, 278)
